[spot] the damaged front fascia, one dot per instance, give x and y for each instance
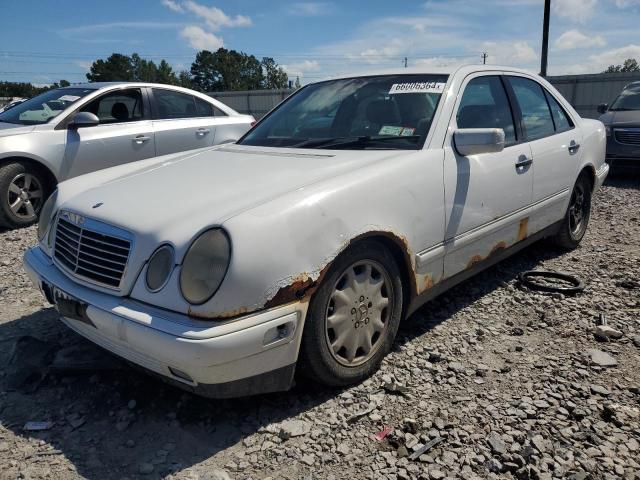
(301, 287)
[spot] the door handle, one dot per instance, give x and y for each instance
(523, 161)
(573, 147)
(140, 139)
(202, 131)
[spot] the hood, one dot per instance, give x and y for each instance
(624, 117)
(7, 129)
(172, 199)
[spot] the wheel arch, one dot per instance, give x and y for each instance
(50, 177)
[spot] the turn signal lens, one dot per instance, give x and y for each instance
(159, 268)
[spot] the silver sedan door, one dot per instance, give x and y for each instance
(181, 121)
(125, 134)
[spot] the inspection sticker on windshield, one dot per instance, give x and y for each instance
(390, 130)
(417, 87)
(69, 98)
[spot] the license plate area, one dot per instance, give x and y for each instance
(67, 305)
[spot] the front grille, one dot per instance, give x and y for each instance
(90, 254)
(630, 136)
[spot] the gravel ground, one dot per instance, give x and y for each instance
(489, 380)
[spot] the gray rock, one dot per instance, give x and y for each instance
(599, 390)
(602, 359)
(542, 445)
(308, 459)
(496, 443)
(293, 428)
(605, 332)
(636, 341)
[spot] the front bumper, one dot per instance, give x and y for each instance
(601, 175)
(250, 355)
(621, 154)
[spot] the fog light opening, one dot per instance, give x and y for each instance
(180, 375)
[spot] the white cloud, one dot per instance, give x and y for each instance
(216, 18)
(572, 39)
(512, 53)
(627, 3)
(309, 9)
(575, 10)
(172, 5)
(201, 39)
(301, 68)
(598, 62)
(84, 64)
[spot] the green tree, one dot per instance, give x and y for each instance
(143, 70)
(226, 70)
(629, 65)
(297, 84)
(116, 68)
(165, 74)
(64, 83)
(274, 75)
(184, 79)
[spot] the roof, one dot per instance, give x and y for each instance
(99, 85)
(429, 70)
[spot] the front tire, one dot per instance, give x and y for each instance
(22, 194)
(576, 218)
(353, 317)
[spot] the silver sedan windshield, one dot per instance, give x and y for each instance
(42, 108)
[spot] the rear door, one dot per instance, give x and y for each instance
(181, 121)
(488, 196)
(125, 134)
(555, 148)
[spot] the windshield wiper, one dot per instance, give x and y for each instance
(623, 109)
(350, 141)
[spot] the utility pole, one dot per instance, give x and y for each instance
(545, 38)
(405, 62)
(484, 58)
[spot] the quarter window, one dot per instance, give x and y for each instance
(484, 104)
(536, 116)
(560, 118)
(117, 107)
(206, 109)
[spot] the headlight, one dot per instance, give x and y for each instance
(46, 214)
(159, 268)
(205, 266)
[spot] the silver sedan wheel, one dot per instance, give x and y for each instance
(25, 196)
(358, 312)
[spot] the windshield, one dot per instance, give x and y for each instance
(629, 99)
(381, 112)
(44, 107)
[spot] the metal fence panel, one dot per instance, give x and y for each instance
(584, 92)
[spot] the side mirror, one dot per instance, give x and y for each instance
(83, 119)
(473, 141)
(602, 108)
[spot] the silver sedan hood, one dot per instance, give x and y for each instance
(7, 129)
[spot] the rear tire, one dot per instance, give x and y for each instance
(23, 191)
(576, 218)
(353, 316)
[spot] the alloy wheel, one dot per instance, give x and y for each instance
(357, 315)
(578, 211)
(25, 196)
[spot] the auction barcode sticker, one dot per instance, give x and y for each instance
(417, 87)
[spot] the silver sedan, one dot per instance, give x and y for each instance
(75, 130)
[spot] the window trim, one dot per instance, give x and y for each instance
(146, 112)
(545, 93)
(516, 116)
(155, 112)
(572, 124)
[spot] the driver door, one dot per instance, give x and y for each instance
(125, 134)
(487, 196)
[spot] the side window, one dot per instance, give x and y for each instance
(206, 109)
(484, 104)
(536, 116)
(560, 117)
(174, 104)
(117, 107)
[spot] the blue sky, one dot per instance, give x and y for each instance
(44, 41)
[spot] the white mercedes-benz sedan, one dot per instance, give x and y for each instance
(303, 246)
(66, 132)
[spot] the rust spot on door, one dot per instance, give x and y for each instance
(499, 246)
(428, 282)
(522, 231)
(475, 259)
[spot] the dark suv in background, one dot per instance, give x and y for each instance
(622, 121)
